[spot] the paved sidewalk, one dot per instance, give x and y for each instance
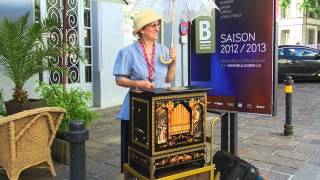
(261, 142)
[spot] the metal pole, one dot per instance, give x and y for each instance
(234, 133)
(288, 128)
(172, 23)
(77, 136)
(224, 132)
(64, 40)
(182, 79)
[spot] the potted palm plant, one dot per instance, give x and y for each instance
(2, 110)
(23, 54)
(74, 101)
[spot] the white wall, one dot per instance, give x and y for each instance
(107, 41)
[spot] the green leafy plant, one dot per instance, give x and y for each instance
(74, 101)
(24, 53)
(2, 109)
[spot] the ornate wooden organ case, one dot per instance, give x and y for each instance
(167, 129)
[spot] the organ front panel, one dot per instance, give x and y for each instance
(167, 129)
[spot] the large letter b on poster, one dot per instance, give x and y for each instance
(205, 35)
(204, 31)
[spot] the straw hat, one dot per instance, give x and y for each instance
(143, 18)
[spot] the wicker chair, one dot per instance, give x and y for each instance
(26, 137)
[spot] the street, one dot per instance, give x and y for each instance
(261, 142)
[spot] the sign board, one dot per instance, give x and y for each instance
(204, 34)
(238, 61)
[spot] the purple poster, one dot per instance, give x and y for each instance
(240, 68)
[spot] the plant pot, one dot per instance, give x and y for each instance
(15, 107)
(60, 151)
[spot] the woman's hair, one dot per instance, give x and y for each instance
(139, 35)
(139, 32)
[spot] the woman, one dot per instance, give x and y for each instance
(139, 66)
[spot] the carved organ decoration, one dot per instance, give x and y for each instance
(178, 122)
(197, 118)
(162, 125)
(167, 129)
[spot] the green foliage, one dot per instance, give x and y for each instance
(24, 53)
(284, 4)
(306, 6)
(74, 101)
(312, 6)
(2, 109)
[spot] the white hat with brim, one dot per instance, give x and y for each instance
(143, 18)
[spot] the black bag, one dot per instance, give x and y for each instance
(234, 168)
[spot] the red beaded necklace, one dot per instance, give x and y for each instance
(151, 63)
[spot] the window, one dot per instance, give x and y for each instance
(37, 16)
(284, 37)
(298, 53)
(87, 40)
(308, 53)
(298, 11)
(86, 3)
(311, 36)
(293, 52)
(280, 52)
(311, 15)
(285, 12)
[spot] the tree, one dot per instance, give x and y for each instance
(306, 5)
(284, 4)
(310, 6)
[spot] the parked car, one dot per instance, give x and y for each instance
(300, 62)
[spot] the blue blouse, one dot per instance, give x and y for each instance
(131, 63)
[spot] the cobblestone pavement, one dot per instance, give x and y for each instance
(261, 142)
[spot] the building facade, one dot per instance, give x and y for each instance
(100, 28)
(297, 27)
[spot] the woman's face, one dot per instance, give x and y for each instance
(151, 30)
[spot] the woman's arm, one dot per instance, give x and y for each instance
(171, 72)
(126, 82)
(172, 67)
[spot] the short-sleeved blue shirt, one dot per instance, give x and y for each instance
(131, 63)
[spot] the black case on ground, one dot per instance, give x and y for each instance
(233, 168)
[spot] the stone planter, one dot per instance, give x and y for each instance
(60, 151)
(15, 107)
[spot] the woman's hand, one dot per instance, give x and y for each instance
(144, 84)
(173, 53)
(172, 67)
(126, 82)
